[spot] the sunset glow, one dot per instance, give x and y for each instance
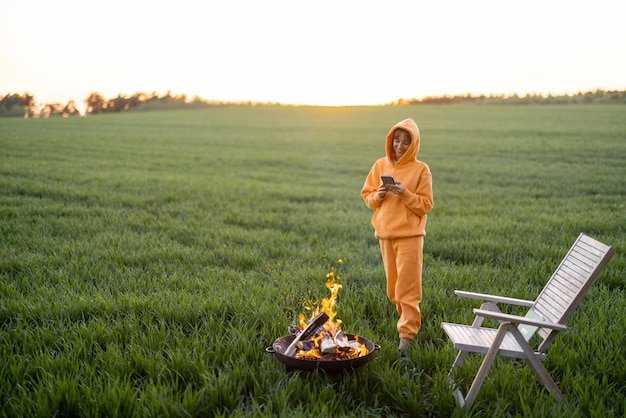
(323, 52)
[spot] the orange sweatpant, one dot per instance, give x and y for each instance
(402, 259)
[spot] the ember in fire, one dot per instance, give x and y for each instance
(329, 342)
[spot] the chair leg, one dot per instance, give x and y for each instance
(486, 365)
(458, 361)
(456, 392)
(487, 306)
(537, 367)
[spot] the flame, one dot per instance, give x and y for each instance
(332, 328)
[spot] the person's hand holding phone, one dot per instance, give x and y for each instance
(395, 188)
(382, 188)
(389, 185)
(382, 191)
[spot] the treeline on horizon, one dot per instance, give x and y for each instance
(25, 105)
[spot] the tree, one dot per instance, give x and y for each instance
(118, 104)
(52, 109)
(16, 105)
(95, 104)
(70, 109)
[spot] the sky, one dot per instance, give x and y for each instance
(321, 52)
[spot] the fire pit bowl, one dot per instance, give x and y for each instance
(330, 365)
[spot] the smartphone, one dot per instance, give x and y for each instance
(387, 179)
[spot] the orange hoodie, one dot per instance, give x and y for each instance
(403, 215)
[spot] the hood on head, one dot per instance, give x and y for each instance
(410, 126)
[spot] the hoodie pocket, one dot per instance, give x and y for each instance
(391, 223)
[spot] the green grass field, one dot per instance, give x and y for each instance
(148, 259)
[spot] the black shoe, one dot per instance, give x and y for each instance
(404, 359)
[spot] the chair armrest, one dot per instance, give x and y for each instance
(493, 298)
(519, 319)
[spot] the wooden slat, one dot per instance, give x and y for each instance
(577, 268)
(587, 255)
(569, 280)
(478, 340)
(594, 246)
(576, 271)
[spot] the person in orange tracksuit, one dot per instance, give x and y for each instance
(399, 221)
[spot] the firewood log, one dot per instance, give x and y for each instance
(305, 345)
(310, 329)
(342, 342)
(327, 345)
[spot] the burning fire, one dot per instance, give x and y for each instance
(329, 342)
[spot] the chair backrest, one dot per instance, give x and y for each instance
(566, 288)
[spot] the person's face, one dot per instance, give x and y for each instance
(401, 142)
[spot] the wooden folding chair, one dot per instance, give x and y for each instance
(546, 317)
